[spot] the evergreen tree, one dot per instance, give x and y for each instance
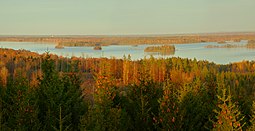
(142, 105)
(169, 109)
(228, 116)
(20, 105)
(252, 120)
(1, 107)
(60, 99)
(104, 114)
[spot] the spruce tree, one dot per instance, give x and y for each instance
(60, 99)
(103, 113)
(228, 116)
(1, 107)
(169, 109)
(20, 106)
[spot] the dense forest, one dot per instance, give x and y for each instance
(49, 92)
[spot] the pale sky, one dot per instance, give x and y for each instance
(125, 17)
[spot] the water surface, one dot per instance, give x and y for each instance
(195, 50)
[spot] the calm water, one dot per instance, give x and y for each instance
(196, 50)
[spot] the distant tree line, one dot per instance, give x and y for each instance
(132, 40)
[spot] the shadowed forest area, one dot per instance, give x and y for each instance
(49, 92)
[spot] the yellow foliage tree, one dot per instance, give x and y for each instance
(4, 75)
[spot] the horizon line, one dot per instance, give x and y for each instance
(149, 34)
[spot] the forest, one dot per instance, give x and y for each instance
(162, 50)
(49, 92)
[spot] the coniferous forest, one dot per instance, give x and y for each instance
(49, 92)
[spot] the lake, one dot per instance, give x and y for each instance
(195, 50)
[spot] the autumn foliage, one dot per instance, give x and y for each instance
(49, 92)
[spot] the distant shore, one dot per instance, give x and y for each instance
(250, 45)
(132, 40)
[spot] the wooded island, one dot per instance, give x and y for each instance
(163, 50)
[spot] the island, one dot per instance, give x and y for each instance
(97, 48)
(163, 50)
(59, 47)
(251, 44)
(221, 42)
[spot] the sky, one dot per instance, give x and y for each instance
(125, 17)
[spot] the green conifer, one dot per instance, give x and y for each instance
(228, 116)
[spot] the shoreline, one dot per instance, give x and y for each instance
(130, 40)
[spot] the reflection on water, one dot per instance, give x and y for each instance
(196, 50)
(163, 54)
